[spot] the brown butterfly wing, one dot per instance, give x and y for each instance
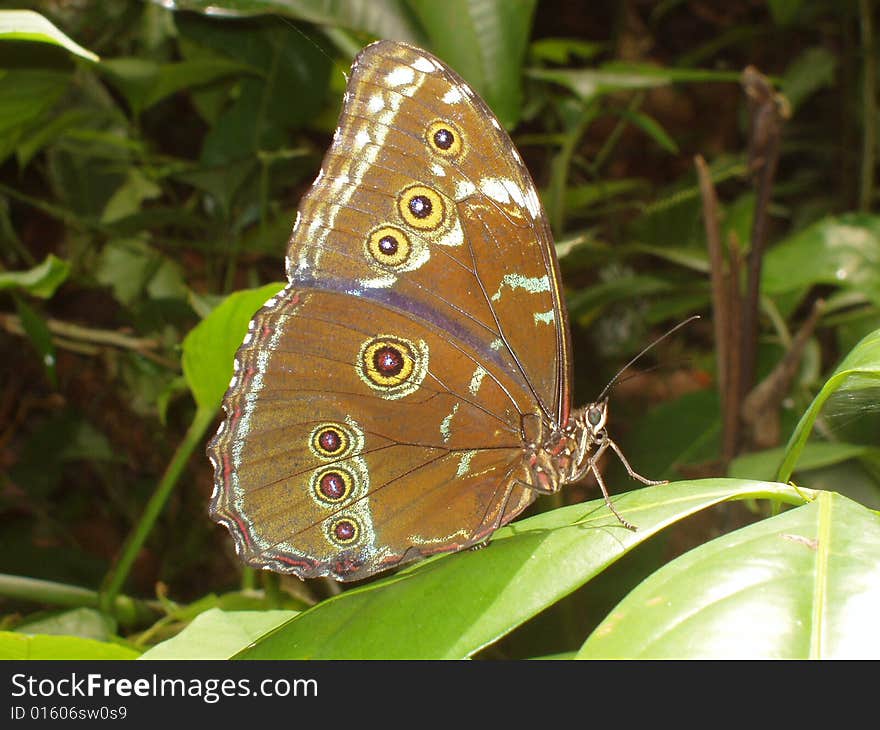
(487, 271)
(328, 467)
(376, 410)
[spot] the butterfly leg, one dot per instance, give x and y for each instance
(629, 470)
(601, 482)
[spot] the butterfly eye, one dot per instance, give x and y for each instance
(596, 417)
(444, 138)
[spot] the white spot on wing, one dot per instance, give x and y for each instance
(362, 139)
(533, 203)
(545, 317)
(424, 64)
(438, 170)
(376, 103)
(479, 374)
(531, 284)
(400, 76)
(496, 188)
(464, 464)
(445, 431)
(464, 188)
(453, 96)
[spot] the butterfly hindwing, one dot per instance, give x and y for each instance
(327, 465)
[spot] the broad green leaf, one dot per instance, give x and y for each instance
(590, 83)
(765, 464)
(145, 82)
(86, 623)
(288, 92)
(485, 41)
(217, 634)
(466, 601)
(131, 267)
(843, 251)
(859, 370)
(40, 281)
(129, 197)
(378, 18)
(209, 348)
(26, 95)
(26, 25)
(22, 646)
(803, 584)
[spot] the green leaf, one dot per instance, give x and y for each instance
(38, 333)
(378, 18)
(466, 601)
(209, 348)
(859, 370)
(26, 25)
(843, 251)
(131, 267)
(40, 281)
(19, 646)
(86, 623)
(217, 634)
(26, 95)
(287, 94)
(590, 83)
(564, 50)
(803, 584)
(485, 41)
(650, 127)
(765, 464)
(129, 196)
(144, 82)
(813, 70)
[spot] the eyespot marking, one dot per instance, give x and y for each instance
(392, 366)
(421, 207)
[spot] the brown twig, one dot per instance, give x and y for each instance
(725, 299)
(760, 409)
(769, 111)
(88, 340)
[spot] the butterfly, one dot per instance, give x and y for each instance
(409, 390)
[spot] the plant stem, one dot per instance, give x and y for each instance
(119, 573)
(126, 610)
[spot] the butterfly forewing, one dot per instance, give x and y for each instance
(376, 410)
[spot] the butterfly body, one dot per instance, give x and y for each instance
(408, 391)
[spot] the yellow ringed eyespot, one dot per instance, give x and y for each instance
(444, 138)
(421, 207)
(389, 246)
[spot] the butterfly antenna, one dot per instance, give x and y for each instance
(644, 350)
